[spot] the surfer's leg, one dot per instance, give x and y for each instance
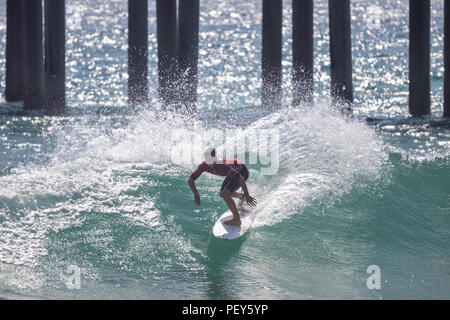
(240, 196)
(245, 175)
(237, 195)
(225, 194)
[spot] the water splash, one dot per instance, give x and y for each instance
(322, 156)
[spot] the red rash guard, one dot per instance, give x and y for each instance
(224, 167)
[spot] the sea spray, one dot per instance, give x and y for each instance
(322, 155)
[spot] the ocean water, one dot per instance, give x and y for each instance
(95, 204)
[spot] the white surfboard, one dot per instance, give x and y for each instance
(228, 232)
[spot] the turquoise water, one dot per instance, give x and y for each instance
(103, 189)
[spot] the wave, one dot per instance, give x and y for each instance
(102, 164)
(322, 155)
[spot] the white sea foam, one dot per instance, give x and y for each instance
(39, 199)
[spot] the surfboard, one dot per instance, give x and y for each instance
(224, 231)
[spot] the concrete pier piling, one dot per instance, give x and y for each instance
(55, 51)
(302, 51)
(188, 15)
(419, 57)
(137, 52)
(166, 20)
(15, 46)
(341, 52)
(446, 59)
(33, 56)
(271, 53)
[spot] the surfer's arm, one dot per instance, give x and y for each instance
(250, 200)
(243, 185)
(191, 182)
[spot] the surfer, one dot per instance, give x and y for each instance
(236, 174)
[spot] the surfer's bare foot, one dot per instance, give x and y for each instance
(233, 222)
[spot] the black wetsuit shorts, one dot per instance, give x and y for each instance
(233, 184)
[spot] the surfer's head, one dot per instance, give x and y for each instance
(210, 156)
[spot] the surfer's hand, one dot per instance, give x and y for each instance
(197, 198)
(250, 200)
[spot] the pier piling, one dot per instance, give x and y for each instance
(341, 51)
(15, 45)
(302, 51)
(55, 51)
(33, 56)
(166, 21)
(188, 16)
(271, 53)
(137, 52)
(446, 59)
(35, 64)
(419, 57)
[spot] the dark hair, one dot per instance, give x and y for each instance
(213, 152)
